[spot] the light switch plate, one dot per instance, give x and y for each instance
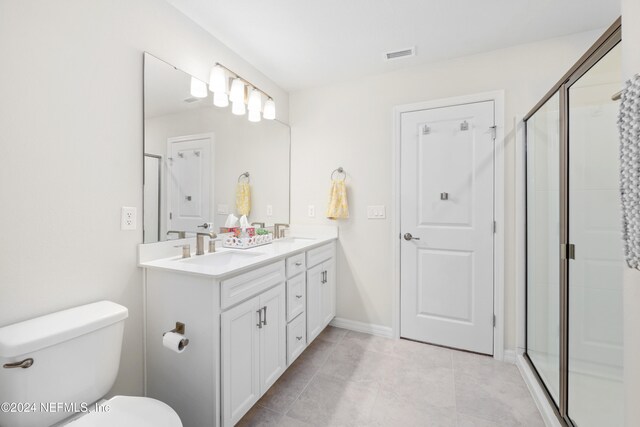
(376, 212)
(311, 211)
(223, 209)
(269, 210)
(128, 218)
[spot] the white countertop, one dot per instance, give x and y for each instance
(228, 262)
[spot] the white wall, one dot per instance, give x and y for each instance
(350, 125)
(631, 66)
(71, 150)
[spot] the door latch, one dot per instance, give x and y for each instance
(567, 251)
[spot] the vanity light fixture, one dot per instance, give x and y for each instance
(269, 112)
(241, 99)
(198, 88)
(237, 91)
(238, 108)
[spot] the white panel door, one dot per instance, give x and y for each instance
(314, 301)
(240, 360)
(447, 226)
(273, 340)
(189, 182)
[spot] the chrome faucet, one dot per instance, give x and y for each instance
(181, 234)
(279, 229)
(200, 242)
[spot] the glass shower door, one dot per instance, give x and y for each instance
(543, 242)
(595, 393)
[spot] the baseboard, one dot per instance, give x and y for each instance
(367, 328)
(539, 397)
(509, 356)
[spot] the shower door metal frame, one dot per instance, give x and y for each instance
(596, 52)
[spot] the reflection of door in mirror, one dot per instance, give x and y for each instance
(152, 197)
(189, 180)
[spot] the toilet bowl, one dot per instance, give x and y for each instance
(129, 411)
(61, 362)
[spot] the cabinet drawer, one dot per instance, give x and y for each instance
(317, 255)
(296, 296)
(296, 338)
(295, 265)
(244, 286)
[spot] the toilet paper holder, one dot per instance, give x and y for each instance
(180, 329)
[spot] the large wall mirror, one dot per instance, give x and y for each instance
(198, 157)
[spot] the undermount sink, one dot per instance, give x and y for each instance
(221, 259)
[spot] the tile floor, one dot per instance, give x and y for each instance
(347, 378)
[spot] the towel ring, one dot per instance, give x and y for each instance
(245, 175)
(340, 170)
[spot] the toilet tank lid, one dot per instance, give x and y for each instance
(44, 331)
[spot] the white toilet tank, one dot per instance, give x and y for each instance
(76, 356)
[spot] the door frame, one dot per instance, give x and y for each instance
(498, 207)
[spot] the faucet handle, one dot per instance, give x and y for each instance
(186, 250)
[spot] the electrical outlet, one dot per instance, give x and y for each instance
(311, 211)
(223, 209)
(269, 210)
(128, 218)
(376, 212)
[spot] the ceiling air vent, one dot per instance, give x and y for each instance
(389, 56)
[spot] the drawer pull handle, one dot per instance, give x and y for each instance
(298, 296)
(298, 264)
(259, 325)
(298, 338)
(264, 322)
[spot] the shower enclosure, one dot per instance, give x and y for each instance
(574, 259)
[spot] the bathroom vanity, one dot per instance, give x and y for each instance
(248, 315)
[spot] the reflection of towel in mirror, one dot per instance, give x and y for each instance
(338, 206)
(243, 198)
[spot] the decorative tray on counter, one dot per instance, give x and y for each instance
(247, 242)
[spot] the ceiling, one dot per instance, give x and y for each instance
(300, 44)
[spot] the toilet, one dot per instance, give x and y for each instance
(56, 370)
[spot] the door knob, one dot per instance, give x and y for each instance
(408, 236)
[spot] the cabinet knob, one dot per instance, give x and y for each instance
(298, 338)
(298, 296)
(299, 263)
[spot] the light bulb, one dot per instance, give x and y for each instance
(198, 88)
(269, 112)
(238, 108)
(217, 79)
(237, 91)
(255, 101)
(254, 116)
(220, 99)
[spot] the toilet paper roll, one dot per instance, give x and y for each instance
(174, 342)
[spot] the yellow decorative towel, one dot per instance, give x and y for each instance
(338, 206)
(243, 198)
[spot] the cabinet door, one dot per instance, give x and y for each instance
(314, 301)
(328, 292)
(240, 360)
(273, 340)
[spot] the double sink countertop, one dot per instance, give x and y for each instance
(225, 262)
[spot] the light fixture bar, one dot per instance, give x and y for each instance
(247, 82)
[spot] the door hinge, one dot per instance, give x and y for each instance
(567, 251)
(494, 320)
(495, 227)
(493, 131)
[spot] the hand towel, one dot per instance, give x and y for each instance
(338, 207)
(243, 198)
(629, 128)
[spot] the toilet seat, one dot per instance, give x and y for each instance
(130, 411)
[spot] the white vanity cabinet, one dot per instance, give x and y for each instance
(321, 289)
(245, 328)
(253, 348)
